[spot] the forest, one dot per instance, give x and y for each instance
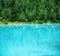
(30, 11)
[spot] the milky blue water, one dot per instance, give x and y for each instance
(30, 40)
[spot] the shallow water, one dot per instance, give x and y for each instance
(30, 40)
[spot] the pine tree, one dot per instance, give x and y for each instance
(59, 13)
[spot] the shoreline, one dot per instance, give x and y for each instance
(32, 22)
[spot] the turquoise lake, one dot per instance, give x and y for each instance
(30, 40)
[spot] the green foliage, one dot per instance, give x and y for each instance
(21, 17)
(6, 14)
(59, 12)
(29, 10)
(46, 14)
(41, 14)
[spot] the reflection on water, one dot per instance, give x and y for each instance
(30, 40)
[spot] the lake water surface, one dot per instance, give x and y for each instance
(30, 40)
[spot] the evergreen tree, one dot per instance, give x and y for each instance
(59, 13)
(29, 10)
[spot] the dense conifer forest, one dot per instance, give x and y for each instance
(29, 10)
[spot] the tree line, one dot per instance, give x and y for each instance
(29, 10)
